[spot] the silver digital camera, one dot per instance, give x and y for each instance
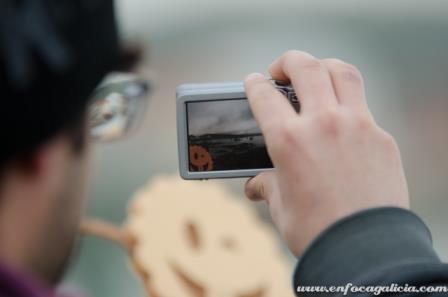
(218, 136)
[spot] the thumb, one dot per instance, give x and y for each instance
(260, 187)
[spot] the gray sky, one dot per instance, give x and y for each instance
(224, 116)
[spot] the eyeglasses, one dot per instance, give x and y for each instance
(117, 106)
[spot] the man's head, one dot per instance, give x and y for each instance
(52, 55)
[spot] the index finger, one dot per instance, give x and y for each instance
(310, 78)
(268, 105)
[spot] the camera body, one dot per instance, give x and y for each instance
(218, 136)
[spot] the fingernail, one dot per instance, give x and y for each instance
(251, 192)
(248, 190)
(255, 75)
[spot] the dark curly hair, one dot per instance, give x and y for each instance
(52, 55)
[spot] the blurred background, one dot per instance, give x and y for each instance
(400, 46)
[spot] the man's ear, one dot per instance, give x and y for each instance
(45, 162)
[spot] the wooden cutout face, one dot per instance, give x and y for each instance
(197, 240)
(200, 158)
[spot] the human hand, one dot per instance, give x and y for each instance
(332, 159)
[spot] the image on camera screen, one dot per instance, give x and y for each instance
(223, 135)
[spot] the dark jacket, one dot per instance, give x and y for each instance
(388, 247)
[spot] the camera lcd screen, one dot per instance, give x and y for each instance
(223, 135)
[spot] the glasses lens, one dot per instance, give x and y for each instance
(116, 108)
